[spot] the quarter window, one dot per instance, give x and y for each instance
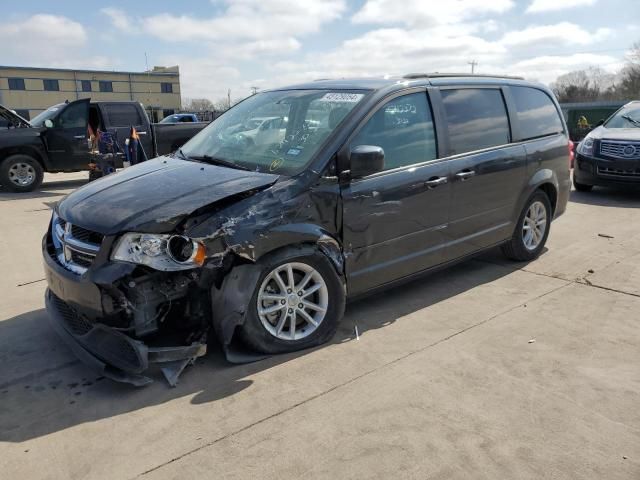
(16, 84)
(537, 114)
(51, 85)
(476, 119)
(404, 129)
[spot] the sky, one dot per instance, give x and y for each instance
(240, 44)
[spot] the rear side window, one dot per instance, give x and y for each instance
(476, 119)
(404, 129)
(123, 115)
(537, 114)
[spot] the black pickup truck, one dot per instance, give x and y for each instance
(56, 139)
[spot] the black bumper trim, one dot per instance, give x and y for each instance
(93, 347)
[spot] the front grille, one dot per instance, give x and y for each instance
(75, 247)
(618, 172)
(82, 259)
(85, 235)
(76, 323)
(626, 150)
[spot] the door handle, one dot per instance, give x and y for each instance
(435, 181)
(142, 133)
(463, 175)
(79, 137)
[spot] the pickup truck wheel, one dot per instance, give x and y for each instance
(532, 229)
(20, 173)
(297, 303)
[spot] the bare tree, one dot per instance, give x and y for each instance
(586, 85)
(198, 104)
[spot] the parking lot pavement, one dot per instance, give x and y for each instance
(488, 370)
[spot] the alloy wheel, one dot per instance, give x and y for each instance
(292, 301)
(22, 174)
(534, 226)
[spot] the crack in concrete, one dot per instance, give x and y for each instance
(29, 283)
(38, 374)
(348, 382)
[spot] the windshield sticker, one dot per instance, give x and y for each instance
(293, 151)
(276, 164)
(342, 97)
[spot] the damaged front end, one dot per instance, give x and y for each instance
(120, 318)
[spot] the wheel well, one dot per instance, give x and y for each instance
(7, 152)
(551, 193)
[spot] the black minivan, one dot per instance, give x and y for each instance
(259, 231)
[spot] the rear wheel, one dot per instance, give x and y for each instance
(21, 173)
(532, 229)
(298, 303)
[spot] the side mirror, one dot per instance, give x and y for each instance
(365, 160)
(48, 123)
(600, 122)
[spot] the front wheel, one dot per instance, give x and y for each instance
(21, 173)
(298, 303)
(532, 229)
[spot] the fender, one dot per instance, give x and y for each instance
(539, 178)
(295, 234)
(27, 141)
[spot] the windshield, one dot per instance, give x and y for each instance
(38, 120)
(626, 117)
(276, 132)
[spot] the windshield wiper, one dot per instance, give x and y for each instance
(216, 161)
(632, 120)
(180, 154)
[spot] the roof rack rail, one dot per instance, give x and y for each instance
(412, 76)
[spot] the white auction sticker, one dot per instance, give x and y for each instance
(342, 97)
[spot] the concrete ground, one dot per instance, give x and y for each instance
(488, 370)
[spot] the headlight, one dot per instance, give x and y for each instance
(586, 147)
(162, 252)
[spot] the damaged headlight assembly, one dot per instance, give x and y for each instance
(166, 253)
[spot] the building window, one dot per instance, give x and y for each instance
(166, 87)
(106, 86)
(16, 84)
(23, 113)
(51, 85)
(86, 85)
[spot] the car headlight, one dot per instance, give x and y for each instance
(586, 146)
(161, 252)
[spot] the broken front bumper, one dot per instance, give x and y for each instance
(75, 307)
(114, 354)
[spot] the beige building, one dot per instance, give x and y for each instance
(29, 91)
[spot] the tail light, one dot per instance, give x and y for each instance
(571, 153)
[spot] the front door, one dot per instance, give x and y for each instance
(394, 221)
(488, 172)
(66, 140)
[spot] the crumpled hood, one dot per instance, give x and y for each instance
(603, 133)
(155, 196)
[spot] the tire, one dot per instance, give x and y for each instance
(581, 187)
(518, 248)
(257, 336)
(20, 173)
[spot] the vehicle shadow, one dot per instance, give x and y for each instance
(608, 197)
(46, 190)
(60, 392)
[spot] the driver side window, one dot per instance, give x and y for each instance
(403, 127)
(74, 116)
